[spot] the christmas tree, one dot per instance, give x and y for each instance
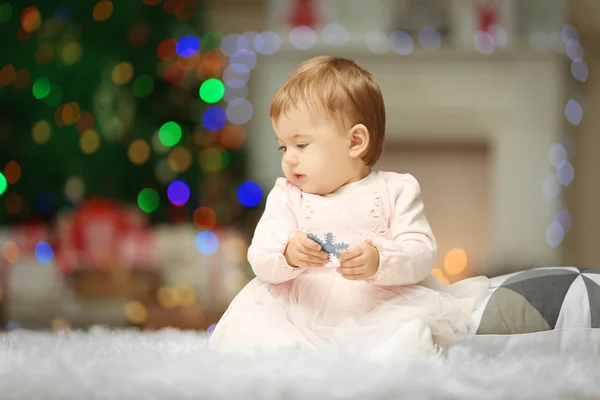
(123, 101)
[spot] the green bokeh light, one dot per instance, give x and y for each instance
(41, 88)
(212, 40)
(54, 97)
(212, 90)
(3, 184)
(6, 11)
(143, 86)
(169, 134)
(148, 200)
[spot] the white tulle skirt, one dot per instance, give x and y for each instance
(323, 310)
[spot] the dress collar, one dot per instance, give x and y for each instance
(353, 186)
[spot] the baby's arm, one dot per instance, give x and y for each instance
(275, 228)
(409, 256)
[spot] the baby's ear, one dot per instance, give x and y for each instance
(359, 140)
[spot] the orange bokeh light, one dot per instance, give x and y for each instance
(31, 19)
(212, 63)
(233, 137)
(58, 119)
(8, 73)
(11, 252)
(167, 49)
(455, 261)
(85, 122)
(189, 63)
(70, 113)
(174, 74)
(12, 172)
(205, 218)
(103, 10)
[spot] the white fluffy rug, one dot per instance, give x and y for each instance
(169, 364)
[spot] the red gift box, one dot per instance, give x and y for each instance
(103, 234)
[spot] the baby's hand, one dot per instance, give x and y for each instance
(360, 262)
(302, 252)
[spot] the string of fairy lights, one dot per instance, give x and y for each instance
(561, 153)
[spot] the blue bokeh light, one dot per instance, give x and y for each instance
(564, 219)
(44, 252)
(565, 173)
(178, 193)
(267, 43)
(239, 111)
(214, 118)
(580, 70)
(207, 242)
(554, 234)
(188, 45)
(401, 42)
(243, 61)
(249, 194)
(573, 112)
(229, 44)
(430, 38)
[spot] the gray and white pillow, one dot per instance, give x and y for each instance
(541, 299)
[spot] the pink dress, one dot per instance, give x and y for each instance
(402, 310)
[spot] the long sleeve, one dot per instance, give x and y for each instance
(273, 231)
(408, 257)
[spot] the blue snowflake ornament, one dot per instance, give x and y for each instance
(328, 245)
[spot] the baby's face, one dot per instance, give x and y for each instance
(315, 151)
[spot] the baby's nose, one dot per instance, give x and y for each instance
(290, 159)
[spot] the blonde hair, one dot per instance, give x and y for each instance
(343, 90)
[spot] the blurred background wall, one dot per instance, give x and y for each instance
(136, 150)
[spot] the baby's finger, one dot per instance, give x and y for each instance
(312, 259)
(353, 262)
(307, 264)
(350, 271)
(345, 256)
(309, 243)
(316, 253)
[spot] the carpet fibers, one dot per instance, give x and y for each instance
(171, 364)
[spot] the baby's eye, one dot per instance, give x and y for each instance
(301, 146)
(282, 148)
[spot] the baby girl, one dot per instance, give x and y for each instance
(342, 254)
